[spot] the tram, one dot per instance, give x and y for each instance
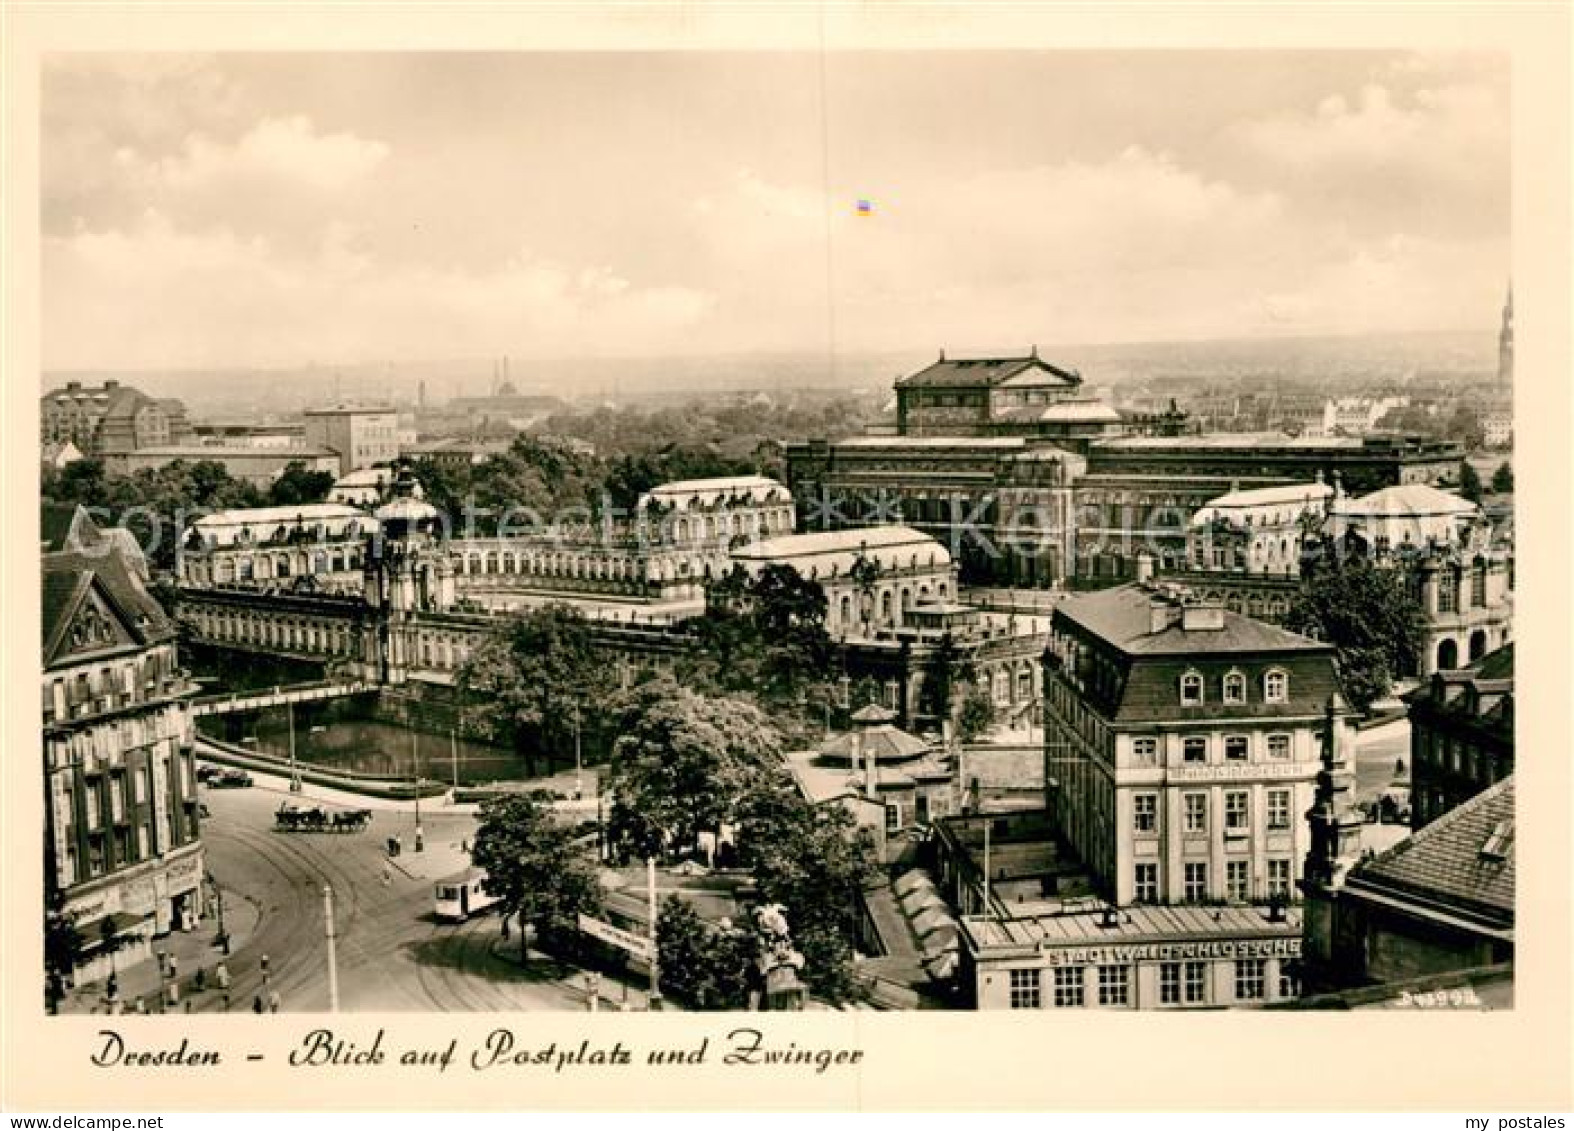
(463, 895)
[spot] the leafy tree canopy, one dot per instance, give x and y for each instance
(1370, 617)
(533, 866)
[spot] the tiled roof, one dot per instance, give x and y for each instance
(1122, 616)
(886, 742)
(985, 371)
(1463, 861)
(61, 523)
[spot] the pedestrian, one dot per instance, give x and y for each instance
(141, 1006)
(387, 875)
(201, 982)
(221, 976)
(173, 968)
(273, 1002)
(226, 1003)
(256, 1004)
(265, 966)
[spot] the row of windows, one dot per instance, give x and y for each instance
(1237, 881)
(1180, 983)
(1195, 749)
(1194, 810)
(1232, 688)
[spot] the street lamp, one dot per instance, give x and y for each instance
(223, 939)
(579, 767)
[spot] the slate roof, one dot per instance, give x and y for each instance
(968, 372)
(1122, 617)
(68, 576)
(1450, 864)
(61, 523)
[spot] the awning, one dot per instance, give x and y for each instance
(119, 923)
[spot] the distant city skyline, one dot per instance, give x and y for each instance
(340, 210)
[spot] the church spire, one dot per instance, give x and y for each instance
(1505, 341)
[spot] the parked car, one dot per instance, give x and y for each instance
(230, 779)
(206, 772)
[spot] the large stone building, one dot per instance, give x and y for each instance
(1461, 735)
(257, 466)
(1181, 744)
(111, 418)
(1028, 483)
(360, 435)
(316, 546)
(121, 823)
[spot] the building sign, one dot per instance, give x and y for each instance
(1242, 771)
(637, 945)
(184, 874)
(1288, 946)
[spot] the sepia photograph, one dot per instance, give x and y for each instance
(780, 532)
(473, 580)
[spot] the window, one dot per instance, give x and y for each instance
(1169, 983)
(1279, 746)
(140, 779)
(1236, 748)
(893, 817)
(1250, 978)
(1447, 594)
(1114, 985)
(1196, 981)
(1196, 811)
(1145, 812)
(1238, 881)
(1147, 883)
(1278, 808)
(1191, 689)
(1068, 986)
(1195, 750)
(1196, 876)
(1237, 814)
(1025, 989)
(1278, 879)
(1275, 687)
(1235, 688)
(1145, 751)
(1478, 586)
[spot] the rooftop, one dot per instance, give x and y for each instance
(989, 372)
(273, 516)
(1083, 924)
(344, 409)
(227, 451)
(68, 581)
(1123, 616)
(1462, 862)
(1298, 494)
(835, 551)
(1408, 500)
(722, 485)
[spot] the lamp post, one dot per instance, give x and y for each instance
(579, 766)
(295, 772)
(415, 762)
(223, 939)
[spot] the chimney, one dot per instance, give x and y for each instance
(1202, 618)
(109, 385)
(73, 386)
(1161, 614)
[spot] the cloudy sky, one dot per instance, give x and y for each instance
(278, 210)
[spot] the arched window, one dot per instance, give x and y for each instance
(1191, 689)
(1235, 688)
(1276, 686)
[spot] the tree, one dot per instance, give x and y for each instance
(977, 714)
(950, 667)
(63, 941)
(1503, 479)
(533, 866)
(710, 966)
(1469, 481)
(1367, 613)
(531, 682)
(682, 764)
(762, 635)
(814, 861)
(297, 486)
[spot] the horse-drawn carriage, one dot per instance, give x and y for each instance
(294, 819)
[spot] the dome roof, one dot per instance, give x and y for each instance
(406, 510)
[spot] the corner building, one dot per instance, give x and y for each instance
(1182, 741)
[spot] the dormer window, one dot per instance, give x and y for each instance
(1191, 689)
(1235, 688)
(1276, 686)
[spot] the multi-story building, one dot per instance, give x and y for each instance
(359, 435)
(1461, 734)
(121, 822)
(1181, 744)
(1356, 416)
(257, 466)
(110, 418)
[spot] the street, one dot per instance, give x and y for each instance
(393, 954)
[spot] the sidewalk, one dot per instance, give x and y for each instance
(192, 951)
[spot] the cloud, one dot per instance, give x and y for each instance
(167, 297)
(274, 151)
